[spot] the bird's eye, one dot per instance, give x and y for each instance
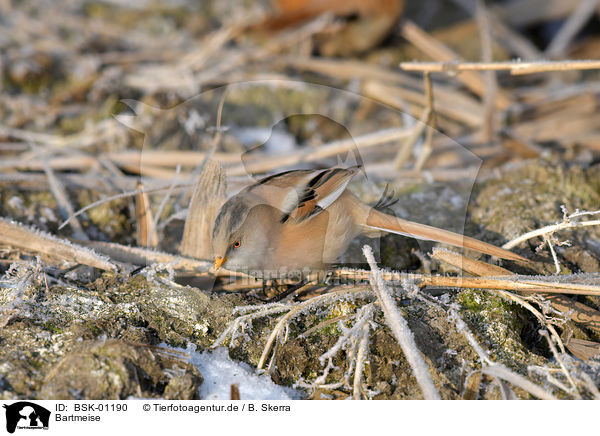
(237, 244)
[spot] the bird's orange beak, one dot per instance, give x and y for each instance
(219, 261)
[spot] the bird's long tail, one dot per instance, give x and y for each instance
(388, 223)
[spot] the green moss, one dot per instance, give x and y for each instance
(499, 324)
(339, 309)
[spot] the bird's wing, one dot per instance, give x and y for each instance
(302, 194)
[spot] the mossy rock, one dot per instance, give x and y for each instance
(117, 370)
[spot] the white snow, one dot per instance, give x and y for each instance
(220, 372)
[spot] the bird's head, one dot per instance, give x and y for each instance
(241, 235)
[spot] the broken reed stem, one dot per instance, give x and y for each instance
(400, 329)
(146, 235)
(515, 67)
(206, 198)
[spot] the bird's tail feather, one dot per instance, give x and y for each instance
(388, 223)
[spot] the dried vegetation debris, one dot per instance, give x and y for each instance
(81, 92)
(60, 337)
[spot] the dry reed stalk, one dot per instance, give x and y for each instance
(511, 285)
(144, 55)
(35, 181)
(207, 197)
(387, 171)
(170, 158)
(266, 164)
(155, 172)
(140, 256)
(378, 80)
(489, 77)
(515, 67)
(71, 163)
(534, 95)
(344, 69)
(578, 312)
(518, 283)
(163, 203)
(146, 234)
(442, 53)
(517, 380)
(104, 130)
(558, 127)
(17, 235)
(582, 101)
(468, 265)
(464, 110)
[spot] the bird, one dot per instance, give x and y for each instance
(366, 22)
(305, 219)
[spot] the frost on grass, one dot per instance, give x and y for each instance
(341, 340)
(352, 340)
(19, 235)
(152, 272)
(18, 290)
(550, 240)
(492, 368)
